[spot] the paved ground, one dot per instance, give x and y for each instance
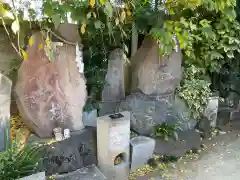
(221, 161)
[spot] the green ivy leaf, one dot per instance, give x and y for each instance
(108, 9)
(56, 19)
(216, 55)
(97, 24)
(102, 1)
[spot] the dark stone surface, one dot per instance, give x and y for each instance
(71, 154)
(235, 116)
(108, 107)
(223, 116)
(187, 140)
(148, 111)
(204, 125)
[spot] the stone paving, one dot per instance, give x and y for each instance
(221, 161)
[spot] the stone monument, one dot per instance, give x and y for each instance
(50, 94)
(5, 101)
(154, 81)
(113, 145)
(114, 89)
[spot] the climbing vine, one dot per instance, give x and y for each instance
(205, 30)
(208, 35)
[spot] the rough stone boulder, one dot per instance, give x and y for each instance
(148, 111)
(50, 94)
(152, 74)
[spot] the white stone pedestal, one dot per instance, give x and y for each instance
(113, 140)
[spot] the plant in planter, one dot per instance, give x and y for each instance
(166, 131)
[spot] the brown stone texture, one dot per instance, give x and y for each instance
(50, 94)
(152, 74)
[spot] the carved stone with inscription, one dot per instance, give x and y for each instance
(5, 101)
(50, 94)
(71, 154)
(114, 89)
(113, 138)
(152, 74)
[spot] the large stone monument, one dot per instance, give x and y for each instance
(5, 100)
(50, 94)
(154, 81)
(152, 74)
(114, 89)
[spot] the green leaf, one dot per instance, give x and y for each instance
(102, 1)
(89, 15)
(205, 23)
(216, 55)
(15, 26)
(108, 9)
(175, 134)
(56, 19)
(165, 137)
(98, 24)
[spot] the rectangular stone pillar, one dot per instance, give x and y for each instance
(113, 145)
(142, 149)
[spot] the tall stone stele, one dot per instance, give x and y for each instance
(5, 101)
(152, 74)
(50, 94)
(154, 80)
(114, 89)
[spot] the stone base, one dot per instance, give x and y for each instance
(148, 111)
(71, 154)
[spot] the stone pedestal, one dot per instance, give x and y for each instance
(142, 149)
(113, 141)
